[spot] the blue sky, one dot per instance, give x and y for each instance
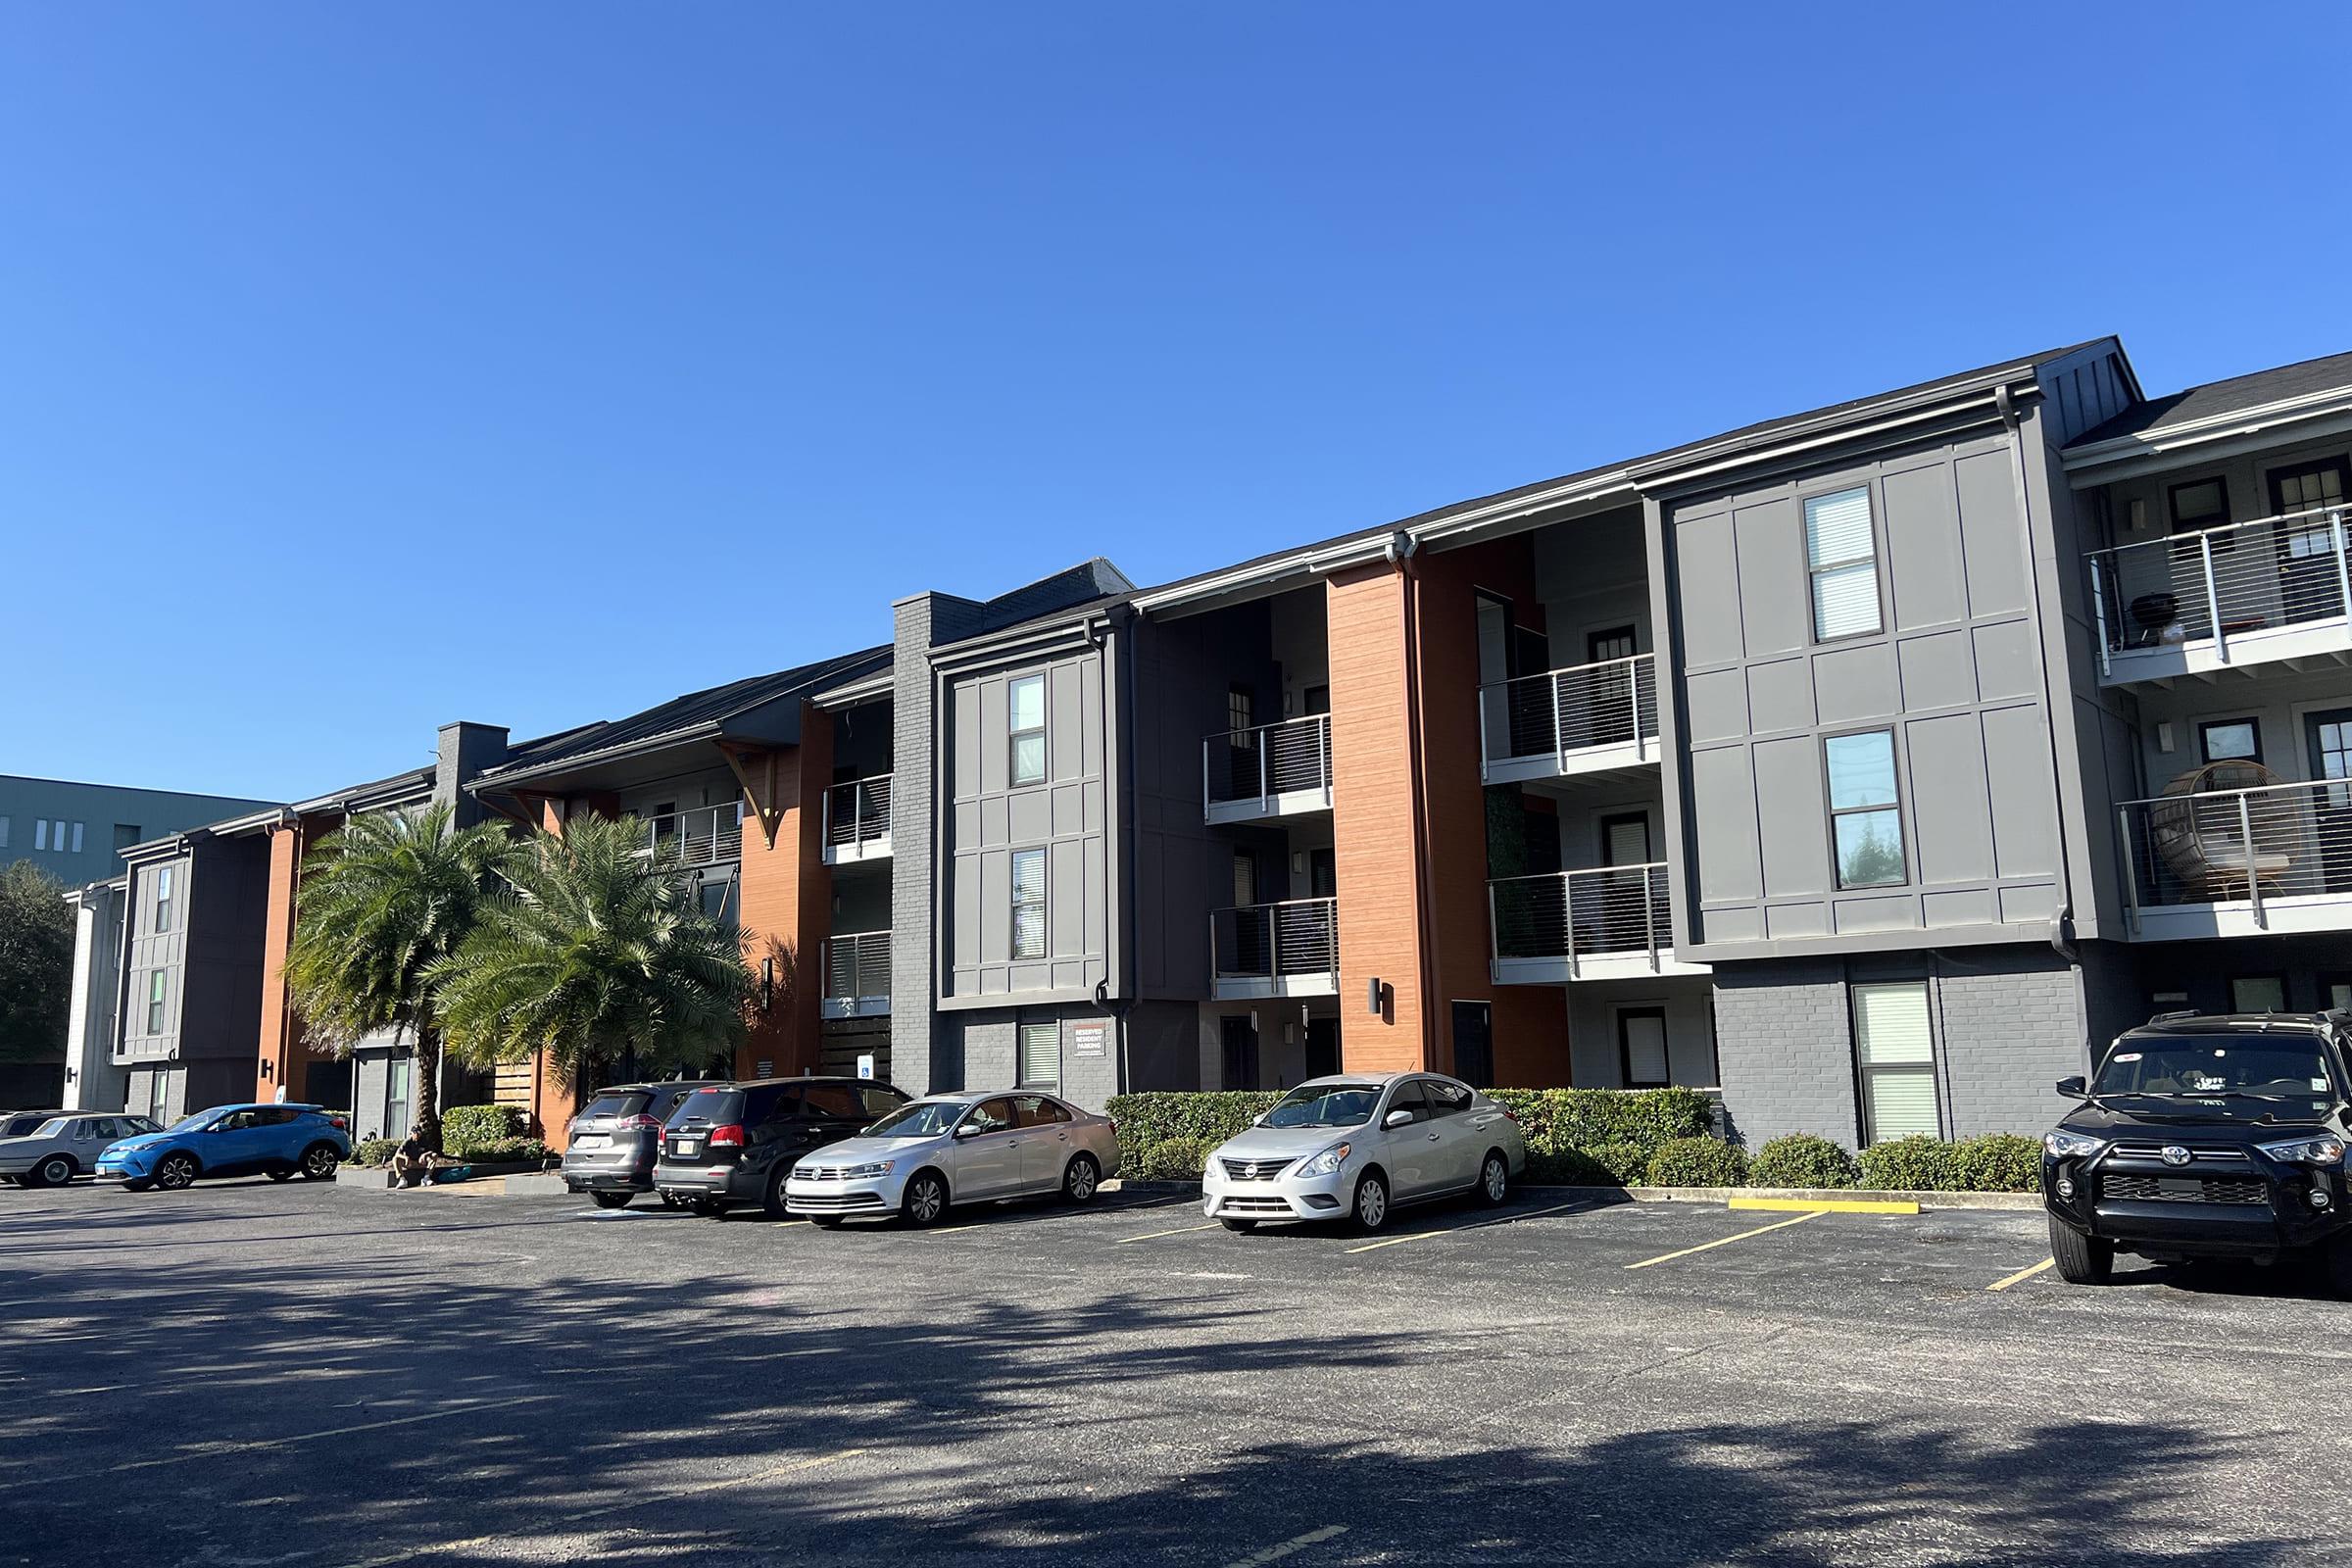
(367, 368)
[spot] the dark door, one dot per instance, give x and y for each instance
(2328, 737)
(1323, 874)
(1239, 1038)
(2309, 588)
(1253, 925)
(1322, 1047)
(1617, 642)
(1474, 1043)
(1318, 700)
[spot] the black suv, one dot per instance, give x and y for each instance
(733, 1144)
(2205, 1136)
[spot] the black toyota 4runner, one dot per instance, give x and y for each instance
(2205, 1136)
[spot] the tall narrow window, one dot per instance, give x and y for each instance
(1028, 904)
(1843, 563)
(76, 838)
(3, 832)
(1028, 722)
(163, 898)
(41, 832)
(1866, 819)
(155, 1002)
(1896, 1052)
(1041, 1056)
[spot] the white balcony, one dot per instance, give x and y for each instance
(2247, 593)
(857, 824)
(856, 969)
(1273, 770)
(1587, 719)
(702, 835)
(2224, 863)
(1290, 949)
(1612, 922)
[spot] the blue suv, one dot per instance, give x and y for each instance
(280, 1142)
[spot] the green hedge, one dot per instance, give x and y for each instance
(1800, 1159)
(1996, 1163)
(1921, 1164)
(468, 1130)
(1697, 1162)
(506, 1151)
(1195, 1122)
(373, 1150)
(1999, 1162)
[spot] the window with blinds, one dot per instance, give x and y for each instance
(1041, 1056)
(1896, 1051)
(1843, 563)
(1028, 904)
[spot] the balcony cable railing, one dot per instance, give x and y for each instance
(856, 965)
(701, 835)
(2223, 846)
(1294, 937)
(1580, 914)
(857, 812)
(1612, 703)
(1266, 761)
(2220, 583)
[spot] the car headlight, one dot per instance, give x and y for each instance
(879, 1167)
(1323, 1164)
(2325, 1151)
(2063, 1144)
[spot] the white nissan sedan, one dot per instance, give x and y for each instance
(1358, 1145)
(956, 1148)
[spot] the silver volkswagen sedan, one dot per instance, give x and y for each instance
(956, 1148)
(66, 1145)
(1358, 1145)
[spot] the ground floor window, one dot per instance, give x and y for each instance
(396, 1097)
(2257, 992)
(1041, 1056)
(1641, 1058)
(1895, 1050)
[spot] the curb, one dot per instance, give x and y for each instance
(1809, 1197)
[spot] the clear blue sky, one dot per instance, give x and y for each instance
(367, 368)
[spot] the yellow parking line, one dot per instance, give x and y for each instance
(1830, 1205)
(1726, 1241)
(1395, 1241)
(2023, 1274)
(1153, 1236)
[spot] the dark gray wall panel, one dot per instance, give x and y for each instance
(1790, 822)
(1991, 532)
(1707, 589)
(1853, 685)
(2017, 754)
(1716, 707)
(1937, 671)
(1949, 790)
(1780, 696)
(1774, 606)
(1723, 810)
(1923, 552)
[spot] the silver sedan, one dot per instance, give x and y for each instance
(956, 1148)
(64, 1147)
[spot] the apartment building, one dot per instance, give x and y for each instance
(78, 832)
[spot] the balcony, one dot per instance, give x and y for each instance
(856, 967)
(705, 835)
(1275, 950)
(857, 821)
(2246, 593)
(1587, 719)
(1283, 769)
(1609, 923)
(2218, 862)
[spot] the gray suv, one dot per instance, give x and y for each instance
(616, 1138)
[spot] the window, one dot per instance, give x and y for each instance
(76, 836)
(396, 1097)
(1896, 1049)
(1041, 1054)
(1444, 1099)
(2201, 503)
(840, 1101)
(1642, 1047)
(2226, 740)
(41, 832)
(2257, 992)
(3, 832)
(1843, 560)
(155, 1002)
(1240, 714)
(1028, 904)
(1028, 719)
(1866, 818)
(1237, 1051)
(163, 898)
(159, 1096)
(125, 835)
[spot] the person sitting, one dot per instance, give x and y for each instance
(412, 1163)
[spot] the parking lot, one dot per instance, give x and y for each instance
(256, 1374)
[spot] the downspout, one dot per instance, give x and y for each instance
(2062, 918)
(1099, 633)
(1398, 553)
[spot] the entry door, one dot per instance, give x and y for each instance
(1236, 1037)
(1617, 642)
(1323, 1046)
(1323, 873)
(2328, 739)
(1474, 1043)
(1252, 927)
(1625, 839)
(2308, 585)
(396, 1097)
(1642, 1047)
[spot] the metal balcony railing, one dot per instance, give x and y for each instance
(1614, 702)
(1264, 763)
(1582, 914)
(1294, 938)
(702, 835)
(2220, 583)
(858, 967)
(859, 812)
(2279, 840)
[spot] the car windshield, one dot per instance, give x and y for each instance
(1325, 1106)
(2235, 1074)
(200, 1119)
(618, 1103)
(920, 1119)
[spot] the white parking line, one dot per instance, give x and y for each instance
(1708, 1247)
(1276, 1553)
(1182, 1230)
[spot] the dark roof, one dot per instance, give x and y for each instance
(1081, 590)
(2215, 399)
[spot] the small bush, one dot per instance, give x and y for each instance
(1170, 1159)
(1554, 1119)
(506, 1151)
(1149, 1120)
(466, 1130)
(1998, 1162)
(1800, 1159)
(1918, 1164)
(1697, 1162)
(1611, 1164)
(373, 1150)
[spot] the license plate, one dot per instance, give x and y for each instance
(590, 1140)
(685, 1145)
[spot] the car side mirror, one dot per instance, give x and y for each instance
(2073, 1086)
(965, 1130)
(1258, 1121)
(1397, 1118)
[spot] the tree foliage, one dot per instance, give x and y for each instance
(36, 965)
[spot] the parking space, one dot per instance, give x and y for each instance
(309, 1375)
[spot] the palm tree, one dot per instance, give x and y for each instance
(383, 902)
(600, 957)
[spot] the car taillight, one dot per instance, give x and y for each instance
(651, 1123)
(730, 1135)
(1114, 1126)
(339, 1122)
(1509, 1111)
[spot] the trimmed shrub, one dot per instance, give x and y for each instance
(1198, 1122)
(1554, 1119)
(466, 1130)
(373, 1150)
(1697, 1162)
(1170, 1159)
(506, 1151)
(1921, 1163)
(1998, 1162)
(1800, 1159)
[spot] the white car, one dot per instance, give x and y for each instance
(956, 1148)
(1358, 1145)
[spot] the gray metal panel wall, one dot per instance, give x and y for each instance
(919, 623)
(150, 951)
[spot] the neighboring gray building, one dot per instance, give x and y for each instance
(78, 832)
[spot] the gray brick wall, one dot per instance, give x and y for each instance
(2010, 1022)
(1784, 1049)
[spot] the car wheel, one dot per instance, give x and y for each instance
(319, 1162)
(926, 1200)
(176, 1171)
(1493, 1179)
(279, 1173)
(1080, 1178)
(55, 1171)
(612, 1199)
(2080, 1260)
(825, 1222)
(772, 1202)
(1371, 1209)
(707, 1207)
(1239, 1224)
